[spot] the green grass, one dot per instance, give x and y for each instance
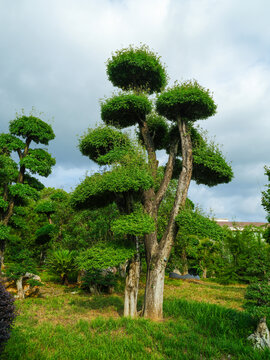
(61, 325)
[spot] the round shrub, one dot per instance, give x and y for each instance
(125, 110)
(137, 68)
(7, 315)
(189, 100)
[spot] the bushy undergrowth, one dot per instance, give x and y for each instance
(7, 315)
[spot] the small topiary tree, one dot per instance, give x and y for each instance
(7, 315)
(258, 305)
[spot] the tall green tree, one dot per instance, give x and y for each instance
(138, 72)
(17, 184)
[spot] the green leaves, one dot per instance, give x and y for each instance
(9, 143)
(4, 232)
(104, 255)
(125, 110)
(137, 68)
(104, 145)
(258, 299)
(32, 128)
(38, 161)
(136, 223)
(189, 100)
(23, 192)
(46, 207)
(100, 189)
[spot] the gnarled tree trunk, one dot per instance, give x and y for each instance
(261, 338)
(132, 284)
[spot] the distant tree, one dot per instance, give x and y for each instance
(16, 183)
(139, 73)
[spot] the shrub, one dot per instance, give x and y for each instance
(61, 262)
(7, 315)
(98, 280)
(258, 299)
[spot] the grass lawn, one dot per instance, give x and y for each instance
(202, 320)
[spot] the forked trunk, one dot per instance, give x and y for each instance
(132, 288)
(153, 299)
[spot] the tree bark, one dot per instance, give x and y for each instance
(132, 284)
(184, 263)
(261, 338)
(20, 291)
(2, 252)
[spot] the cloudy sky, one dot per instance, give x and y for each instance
(53, 55)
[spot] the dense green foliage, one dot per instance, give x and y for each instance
(61, 262)
(22, 262)
(38, 161)
(46, 207)
(23, 192)
(125, 110)
(258, 299)
(136, 223)
(100, 189)
(138, 69)
(104, 145)
(158, 129)
(32, 128)
(189, 100)
(7, 315)
(104, 255)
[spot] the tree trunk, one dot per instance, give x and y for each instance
(184, 263)
(157, 254)
(132, 284)
(153, 299)
(204, 275)
(19, 284)
(261, 339)
(131, 289)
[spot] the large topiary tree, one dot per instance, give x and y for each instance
(139, 73)
(16, 181)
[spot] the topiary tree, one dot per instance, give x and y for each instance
(17, 185)
(7, 315)
(139, 72)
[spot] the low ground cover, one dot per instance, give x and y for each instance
(202, 320)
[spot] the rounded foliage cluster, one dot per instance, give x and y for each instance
(46, 207)
(190, 101)
(137, 224)
(8, 169)
(44, 234)
(7, 315)
(33, 182)
(4, 232)
(125, 110)
(38, 161)
(104, 255)
(9, 143)
(32, 128)
(137, 68)
(104, 145)
(258, 299)
(193, 223)
(100, 189)
(209, 166)
(23, 191)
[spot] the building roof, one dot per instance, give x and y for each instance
(239, 224)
